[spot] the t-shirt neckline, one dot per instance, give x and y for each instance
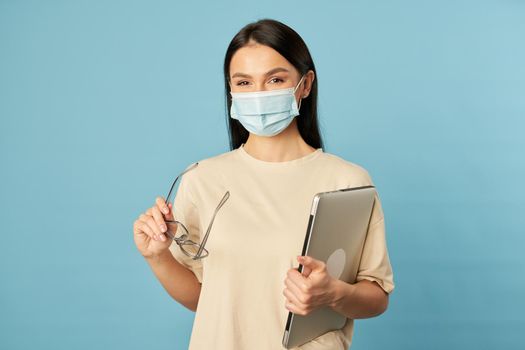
(304, 159)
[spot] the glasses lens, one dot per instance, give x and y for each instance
(191, 248)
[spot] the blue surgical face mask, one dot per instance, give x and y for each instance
(265, 113)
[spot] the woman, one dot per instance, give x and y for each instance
(243, 290)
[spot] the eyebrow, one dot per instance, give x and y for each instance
(270, 72)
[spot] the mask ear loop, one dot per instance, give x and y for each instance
(299, 83)
(300, 99)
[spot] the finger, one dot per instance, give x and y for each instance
(306, 271)
(169, 216)
(162, 206)
(153, 225)
(159, 220)
(150, 229)
(157, 215)
(143, 218)
(294, 287)
(292, 297)
(299, 280)
(137, 227)
(293, 308)
(312, 263)
(145, 229)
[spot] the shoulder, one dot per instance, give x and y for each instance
(210, 166)
(345, 169)
(350, 174)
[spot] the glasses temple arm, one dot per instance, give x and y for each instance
(223, 200)
(175, 181)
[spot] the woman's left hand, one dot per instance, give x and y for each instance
(309, 290)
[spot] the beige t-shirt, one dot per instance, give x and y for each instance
(255, 239)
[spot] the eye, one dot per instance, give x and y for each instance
(278, 80)
(240, 83)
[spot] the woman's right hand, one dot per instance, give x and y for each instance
(149, 229)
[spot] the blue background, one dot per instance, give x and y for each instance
(103, 102)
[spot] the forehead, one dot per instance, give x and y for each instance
(257, 59)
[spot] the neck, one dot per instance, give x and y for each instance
(285, 146)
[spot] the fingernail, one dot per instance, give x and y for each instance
(162, 238)
(163, 228)
(165, 210)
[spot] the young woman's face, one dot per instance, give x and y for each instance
(258, 67)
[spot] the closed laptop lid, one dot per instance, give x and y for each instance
(336, 233)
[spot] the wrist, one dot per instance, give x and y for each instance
(340, 291)
(159, 257)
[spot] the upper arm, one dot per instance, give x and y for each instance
(375, 262)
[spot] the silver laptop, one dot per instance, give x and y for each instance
(336, 233)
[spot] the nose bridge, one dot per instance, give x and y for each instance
(260, 85)
(258, 81)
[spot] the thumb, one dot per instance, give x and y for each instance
(310, 263)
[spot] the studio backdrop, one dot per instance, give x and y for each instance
(102, 103)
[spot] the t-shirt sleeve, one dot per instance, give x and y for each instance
(185, 211)
(375, 262)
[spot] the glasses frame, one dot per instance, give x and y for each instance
(183, 240)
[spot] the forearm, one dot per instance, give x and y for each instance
(363, 299)
(180, 283)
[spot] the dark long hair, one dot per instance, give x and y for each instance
(291, 46)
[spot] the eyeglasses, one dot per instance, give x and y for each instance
(189, 247)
